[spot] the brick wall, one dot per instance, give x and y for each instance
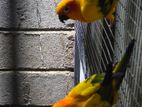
(36, 53)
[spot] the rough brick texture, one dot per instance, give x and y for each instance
(36, 53)
(29, 14)
(46, 50)
(35, 88)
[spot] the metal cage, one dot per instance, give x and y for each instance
(99, 43)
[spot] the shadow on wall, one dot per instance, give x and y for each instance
(13, 51)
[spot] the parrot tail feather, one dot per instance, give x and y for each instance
(108, 76)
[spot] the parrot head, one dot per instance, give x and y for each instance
(69, 9)
(66, 102)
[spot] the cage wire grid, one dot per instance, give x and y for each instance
(99, 43)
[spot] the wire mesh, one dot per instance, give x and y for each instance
(99, 43)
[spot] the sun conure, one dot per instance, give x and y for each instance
(99, 90)
(86, 10)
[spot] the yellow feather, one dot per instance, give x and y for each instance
(86, 10)
(91, 11)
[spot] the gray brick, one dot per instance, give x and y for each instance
(5, 88)
(5, 51)
(36, 88)
(57, 49)
(49, 50)
(27, 50)
(30, 14)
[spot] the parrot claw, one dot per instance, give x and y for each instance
(111, 18)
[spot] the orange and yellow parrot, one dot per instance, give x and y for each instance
(99, 90)
(86, 10)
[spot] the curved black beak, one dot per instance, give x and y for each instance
(62, 18)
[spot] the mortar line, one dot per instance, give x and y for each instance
(38, 69)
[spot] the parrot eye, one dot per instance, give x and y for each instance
(66, 9)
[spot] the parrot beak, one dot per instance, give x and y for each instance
(62, 18)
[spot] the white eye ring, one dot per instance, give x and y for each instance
(66, 9)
